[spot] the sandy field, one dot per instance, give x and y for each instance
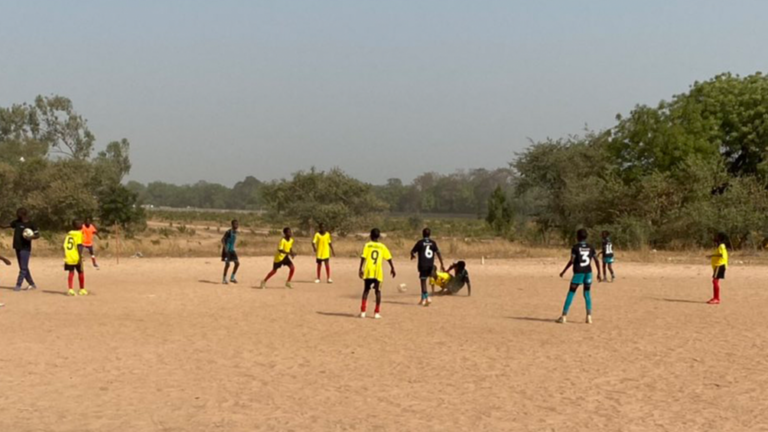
(160, 345)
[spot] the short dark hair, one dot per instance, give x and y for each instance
(286, 229)
(426, 232)
(22, 212)
(461, 265)
(606, 233)
(76, 224)
(723, 238)
(233, 222)
(375, 234)
(582, 234)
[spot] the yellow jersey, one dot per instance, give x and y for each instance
(71, 250)
(442, 279)
(375, 254)
(720, 257)
(285, 246)
(323, 244)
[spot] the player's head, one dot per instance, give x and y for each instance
(721, 238)
(321, 228)
(77, 225)
(426, 232)
(22, 214)
(235, 224)
(287, 232)
(375, 234)
(582, 235)
(460, 266)
(88, 221)
(605, 234)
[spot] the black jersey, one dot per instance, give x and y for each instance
(426, 249)
(607, 248)
(583, 254)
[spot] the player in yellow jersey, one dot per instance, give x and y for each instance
(73, 258)
(372, 271)
(323, 247)
(283, 258)
(719, 265)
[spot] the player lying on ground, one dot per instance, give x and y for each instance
(323, 247)
(582, 255)
(283, 259)
(228, 254)
(372, 272)
(607, 253)
(719, 265)
(451, 284)
(73, 258)
(426, 249)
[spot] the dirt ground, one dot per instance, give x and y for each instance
(160, 345)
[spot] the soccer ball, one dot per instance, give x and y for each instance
(402, 288)
(28, 234)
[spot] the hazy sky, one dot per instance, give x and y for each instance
(218, 90)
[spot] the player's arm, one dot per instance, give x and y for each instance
(96, 232)
(314, 244)
(80, 253)
(414, 251)
(567, 266)
(36, 231)
(5, 260)
(469, 288)
(597, 264)
(440, 258)
(360, 270)
(333, 252)
(392, 268)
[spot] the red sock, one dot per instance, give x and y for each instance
(319, 267)
(378, 308)
(81, 279)
(327, 271)
(270, 274)
(290, 275)
(364, 306)
(716, 287)
(70, 279)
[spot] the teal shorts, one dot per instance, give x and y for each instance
(608, 260)
(581, 279)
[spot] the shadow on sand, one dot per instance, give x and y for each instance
(337, 314)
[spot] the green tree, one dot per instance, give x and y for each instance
(333, 197)
(500, 215)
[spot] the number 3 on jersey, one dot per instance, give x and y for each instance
(584, 258)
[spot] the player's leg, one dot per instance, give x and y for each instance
(81, 280)
(29, 272)
(22, 271)
(605, 275)
(70, 281)
(93, 256)
(719, 274)
(328, 271)
(366, 290)
(377, 288)
(226, 270)
(319, 270)
(568, 301)
(275, 268)
(588, 300)
(610, 268)
(292, 270)
(233, 278)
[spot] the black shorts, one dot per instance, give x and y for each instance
(426, 272)
(229, 257)
(285, 262)
(374, 284)
(74, 267)
(320, 261)
(720, 272)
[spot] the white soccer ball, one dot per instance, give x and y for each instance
(28, 234)
(402, 288)
(21, 159)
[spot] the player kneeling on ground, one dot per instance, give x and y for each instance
(73, 258)
(372, 272)
(451, 284)
(582, 255)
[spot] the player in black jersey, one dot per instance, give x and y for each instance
(426, 249)
(607, 253)
(582, 255)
